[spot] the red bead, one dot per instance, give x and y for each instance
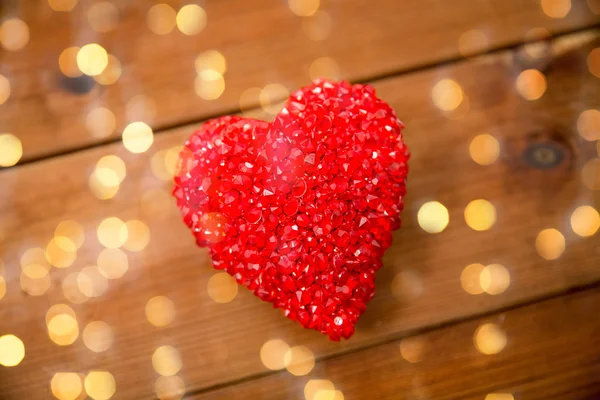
(301, 210)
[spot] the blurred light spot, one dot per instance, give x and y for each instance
(472, 42)
(111, 73)
(12, 351)
(499, 396)
(313, 386)
(4, 89)
(433, 217)
(2, 287)
(71, 230)
(35, 287)
(100, 385)
(91, 282)
(556, 8)
(62, 5)
(100, 122)
(11, 150)
(113, 263)
(303, 8)
(92, 59)
(103, 16)
(222, 288)
(159, 167)
(447, 95)
(111, 170)
(484, 149)
(489, 339)
(61, 252)
(317, 27)
(161, 19)
(112, 232)
(191, 19)
(531, 84)
(166, 361)
(271, 96)
(590, 174)
(494, 279)
(107, 176)
(550, 244)
(67, 62)
(588, 125)
(272, 354)
(480, 215)
(137, 137)
(36, 271)
(34, 255)
(299, 360)
(100, 190)
(63, 328)
(324, 67)
(209, 84)
(140, 108)
(412, 349)
(169, 388)
(71, 289)
(160, 311)
(249, 98)
(138, 235)
(14, 34)
(66, 386)
(470, 279)
(98, 336)
(211, 60)
(593, 62)
(407, 285)
(536, 45)
(585, 221)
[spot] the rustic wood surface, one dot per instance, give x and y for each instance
(263, 43)
(418, 289)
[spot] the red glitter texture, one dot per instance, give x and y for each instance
(300, 210)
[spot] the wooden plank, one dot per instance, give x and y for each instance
(419, 286)
(263, 43)
(551, 351)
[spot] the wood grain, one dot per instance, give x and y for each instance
(419, 285)
(263, 43)
(552, 352)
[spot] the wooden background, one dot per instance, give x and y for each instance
(427, 332)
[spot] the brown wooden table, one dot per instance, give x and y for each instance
(501, 101)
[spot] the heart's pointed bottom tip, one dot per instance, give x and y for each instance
(300, 210)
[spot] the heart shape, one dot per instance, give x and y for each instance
(300, 210)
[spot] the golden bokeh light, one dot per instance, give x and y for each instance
(593, 62)
(107, 177)
(14, 34)
(66, 386)
(433, 217)
(271, 96)
(12, 351)
(91, 282)
(138, 137)
(100, 385)
(447, 95)
(62, 5)
(92, 59)
(67, 62)
(100, 122)
(112, 232)
(112, 263)
(111, 73)
(161, 19)
(211, 60)
(585, 221)
(324, 67)
(61, 252)
(222, 288)
(537, 45)
(103, 16)
(484, 149)
(72, 230)
(249, 98)
(470, 279)
(472, 42)
(169, 388)
(71, 289)
(158, 165)
(140, 108)
(590, 174)
(489, 339)
(272, 354)
(63, 329)
(209, 84)
(4, 89)
(138, 235)
(100, 190)
(299, 360)
(412, 349)
(111, 170)
(36, 271)
(531, 84)
(191, 19)
(317, 27)
(499, 396)
(303, 8)
(35, 286)
(166, 360)
(556, 8)
(494, 279)
(550, 244)
(588, 125)
(160, 311)
(11, 150)
(98, 336)
(34, 256)
(314, 386)
(480, 215)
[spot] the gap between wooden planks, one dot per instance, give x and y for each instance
(263, 43)
(221, 342)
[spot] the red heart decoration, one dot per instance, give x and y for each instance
(300, 210)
